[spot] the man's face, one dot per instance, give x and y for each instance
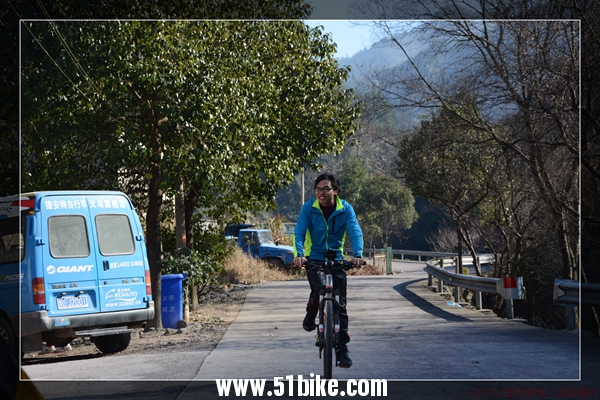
(325, 193)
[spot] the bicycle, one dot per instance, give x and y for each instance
(327, 336)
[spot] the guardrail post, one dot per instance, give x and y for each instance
(510, 312)
(478, 304)
(510, 288)
(429, 280)
(457, 288)
(441, 282)
(570, 309)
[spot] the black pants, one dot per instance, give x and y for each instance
(316, 279)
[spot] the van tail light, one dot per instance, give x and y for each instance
(39, 292)
(148, 284)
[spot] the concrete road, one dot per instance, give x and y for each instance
(162, 366)
(399, 330)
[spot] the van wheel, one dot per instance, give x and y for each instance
(112, 343)
(6, 334)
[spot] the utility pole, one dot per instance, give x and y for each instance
(302, 188)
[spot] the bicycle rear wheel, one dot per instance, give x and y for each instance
(328, 331)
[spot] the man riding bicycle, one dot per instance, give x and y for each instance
(322, 225)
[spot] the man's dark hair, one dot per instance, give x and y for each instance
(335, 184)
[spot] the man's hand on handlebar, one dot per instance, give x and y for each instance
(358, 262)
(298, 262)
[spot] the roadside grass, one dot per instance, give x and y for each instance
(368, 269)
(243, 269)
(240, 268)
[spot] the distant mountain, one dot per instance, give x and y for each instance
(435, 64)
(384, 54)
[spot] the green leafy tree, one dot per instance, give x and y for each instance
(231, 108)
(203, 266)
(12, 14)
(289, 199)
(386, 207)
(353, 178)
(449, 162)
(383, 205)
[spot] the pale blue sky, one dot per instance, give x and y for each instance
(350, 39)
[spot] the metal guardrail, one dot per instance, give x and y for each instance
(484, 258)
(568, 292)
(427, 255)
(508, 288)
(476, 283)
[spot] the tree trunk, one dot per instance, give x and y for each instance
(154, 240)
(181, 238)
(180, 232)
(155, 200)
(190, 204)
(463, 236)
(469, 243)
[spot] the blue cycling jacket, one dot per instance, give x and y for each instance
(313, 236)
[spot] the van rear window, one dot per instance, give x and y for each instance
(68, 236)
(114, 234)
(11, 240)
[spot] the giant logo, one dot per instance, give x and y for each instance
(51, 269)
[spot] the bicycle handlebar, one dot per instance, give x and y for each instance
(343, 264)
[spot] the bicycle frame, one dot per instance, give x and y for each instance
(329, 324)
(329, 295)
(327, 336)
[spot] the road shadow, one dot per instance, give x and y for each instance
(424, 304)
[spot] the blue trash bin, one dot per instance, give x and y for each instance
(172, 300)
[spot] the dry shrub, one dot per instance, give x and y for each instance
(284, 239)
(368, 269)
(276, 224)
(244, 269)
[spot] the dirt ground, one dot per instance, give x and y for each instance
(206, 327)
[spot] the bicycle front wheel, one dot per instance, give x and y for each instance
(328, 331)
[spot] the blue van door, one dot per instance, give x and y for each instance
(120, 253)
(70, 267)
